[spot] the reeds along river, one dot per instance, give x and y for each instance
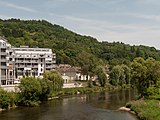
(99, 106)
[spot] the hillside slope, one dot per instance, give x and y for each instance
(70, 47)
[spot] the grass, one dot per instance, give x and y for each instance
(146, 109)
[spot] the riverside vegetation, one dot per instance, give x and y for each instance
(146, 74)
(32, 91)
(136, 66)
(35, 90)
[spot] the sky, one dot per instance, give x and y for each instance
(135, 22)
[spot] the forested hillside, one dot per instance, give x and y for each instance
(70, 47)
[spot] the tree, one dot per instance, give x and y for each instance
(127, 73)
(31, 90)
(5, 99)
(47, 89)
(55, 77)
(145, 73)
(139, 71)
(117, 76)
(102, 78)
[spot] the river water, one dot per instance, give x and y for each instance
(99, 106)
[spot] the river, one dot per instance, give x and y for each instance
(99, 106)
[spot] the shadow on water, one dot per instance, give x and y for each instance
(112, 100)
(100, 106)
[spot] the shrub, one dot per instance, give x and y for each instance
(7, 99)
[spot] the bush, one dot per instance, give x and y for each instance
(146, 109)
(7, 99)
(153, 93)
(34, 90)
(90, 83)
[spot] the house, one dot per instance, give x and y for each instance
(70, 73)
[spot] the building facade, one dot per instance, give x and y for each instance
(70, 73)
(23, 61)
(33, 61)
(7, 71)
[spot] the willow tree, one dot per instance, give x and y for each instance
(55, 77)
(120, 75)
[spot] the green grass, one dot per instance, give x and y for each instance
(146, 109)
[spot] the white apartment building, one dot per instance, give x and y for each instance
(6, 63)
(23, 61)
(33, 61)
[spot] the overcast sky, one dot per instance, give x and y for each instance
(129, 21)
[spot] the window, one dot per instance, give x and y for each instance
(10, 73)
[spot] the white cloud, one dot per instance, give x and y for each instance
(91, 1)
(104, 24)
(14, 6)
(149, 1)
(145, 16)
(104, 30)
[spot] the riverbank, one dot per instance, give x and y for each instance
(79, 90)
(145, 109)
(10, 99)
(93, 106)
(85, 90)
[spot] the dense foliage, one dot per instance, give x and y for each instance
(145, 74)
(70, 47)
(146, 109)
(33, 90)
(55, 78)
(120, 75)
(7, 99)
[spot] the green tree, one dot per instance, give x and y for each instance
(6, 99)
(117, 75)
(127, 73)
(102, 77)
(55, 77)
(31, 90)
(139, 71)
(145, 73)
(47, 89)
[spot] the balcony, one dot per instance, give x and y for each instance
(3, 78)
(19, 61)
(3, 60)
(26, 61)
(3, 53)
(19, 71)
(3, 66)
(49, 66)
(19, 66)
(3, 46)
(35, 66)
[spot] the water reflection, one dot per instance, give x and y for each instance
(100, 106)
(112, 100)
